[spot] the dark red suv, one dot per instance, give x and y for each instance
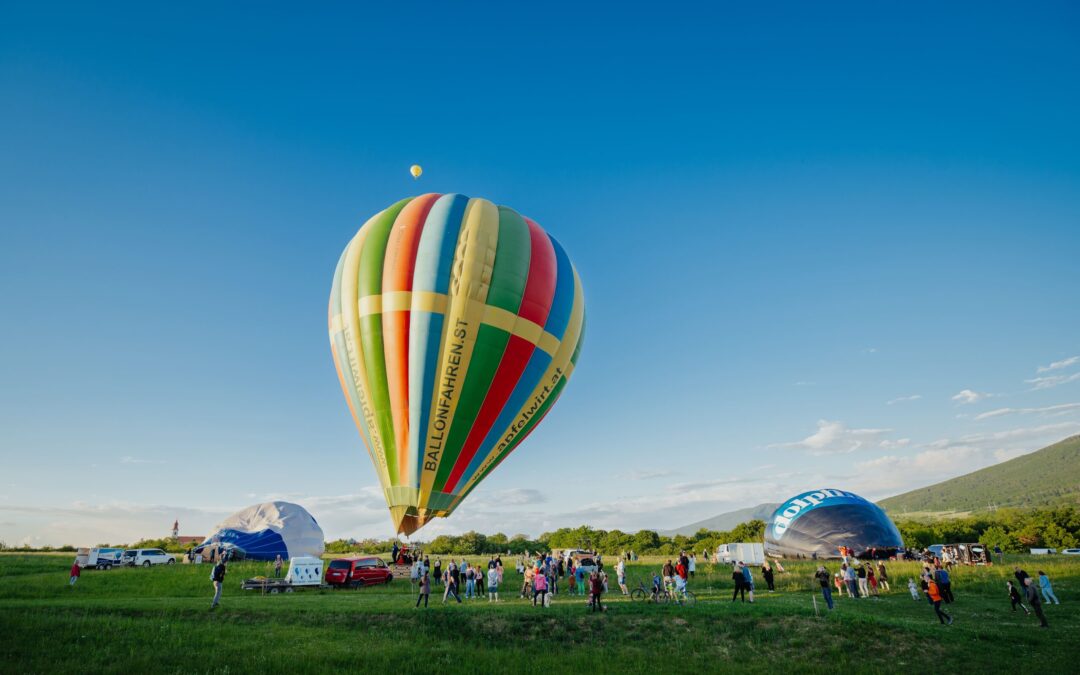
(358, 571)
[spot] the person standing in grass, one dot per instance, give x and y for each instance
(748, 580)
(934, 594)
(438, 570)
(1047, 589)
(217, 576)
(277, 566)
(871, 579)
(913, 589)
(767, 572)
(693, 565)
(620, 574)
(1020, 575)
(1035, 601)
(76, 572)
(740, 580)
(860, 572)
(850, 580)
(597, 584)
(839, 583)
(883, 576)
(1014, 598)
(526, 586)
(580, 575)
(493, 584)
(822, 576)
(425, 590)
(540, 584)
(451, 580)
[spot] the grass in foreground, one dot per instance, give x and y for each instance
(157, 619)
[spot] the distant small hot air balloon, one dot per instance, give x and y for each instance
(416, 170)
(455, 325)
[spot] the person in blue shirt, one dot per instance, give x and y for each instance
(941, 576)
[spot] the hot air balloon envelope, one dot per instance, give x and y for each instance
(455, 325)
(817, 523)
(416, 170)
(265, 531)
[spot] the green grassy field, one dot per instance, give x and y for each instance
(157, 620)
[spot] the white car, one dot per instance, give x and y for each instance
(1071, 551)
(145, 557)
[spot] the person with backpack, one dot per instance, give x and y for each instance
(934, 593)
(217, 576)
(941, 576)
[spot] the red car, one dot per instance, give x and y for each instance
(358, 571)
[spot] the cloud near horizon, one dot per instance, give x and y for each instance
(834, 437)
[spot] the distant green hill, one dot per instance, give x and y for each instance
(1044, 477)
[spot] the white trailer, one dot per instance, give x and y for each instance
(304, 572)
(747, 552)
(98, 558)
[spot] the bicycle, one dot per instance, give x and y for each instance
(642, 594)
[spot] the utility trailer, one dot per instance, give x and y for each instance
(304, 572)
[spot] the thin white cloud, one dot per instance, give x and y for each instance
(137, 460)
(805, 383)
(1058, 365)
(902, 399)
(968, 396)
(835, 438)
(894, 445)
(1049, 381)
(870, 350)
(1048, 411)
(644, 474)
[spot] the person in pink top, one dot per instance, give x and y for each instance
(540, 582)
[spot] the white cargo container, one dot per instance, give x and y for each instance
(749, 553)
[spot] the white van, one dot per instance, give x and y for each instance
(1043, 551)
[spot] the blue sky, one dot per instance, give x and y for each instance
(803, 234)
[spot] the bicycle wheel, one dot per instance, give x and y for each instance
(638, 595)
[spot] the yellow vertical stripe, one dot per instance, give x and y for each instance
(470, 279)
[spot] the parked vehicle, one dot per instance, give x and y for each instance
(1043, 551)
(1071, 551)
(145, 557)
(98, 558)
(357, 571)
(967, 554)
(304, 572)
(749, 553)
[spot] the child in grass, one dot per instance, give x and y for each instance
(913, 589)
(1014, 598)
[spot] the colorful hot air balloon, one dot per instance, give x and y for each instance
(416, 170)
(454, 325)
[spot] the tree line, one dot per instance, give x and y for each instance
(1014, 530)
